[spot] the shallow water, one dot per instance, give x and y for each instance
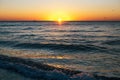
(5, 75)
(82, 46)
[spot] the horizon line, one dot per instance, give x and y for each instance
(56, 21)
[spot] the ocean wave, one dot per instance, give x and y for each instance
(74, 31)
(37, 70)
(7, 32)
(56, 47)
(112, 42)
(7, 43)
(71, 47)
(14, 24)
(28, 28)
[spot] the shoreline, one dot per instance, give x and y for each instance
(37, 70)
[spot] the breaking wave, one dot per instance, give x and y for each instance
(39, 71)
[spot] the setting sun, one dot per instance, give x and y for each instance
(59, 16)
(59, 21)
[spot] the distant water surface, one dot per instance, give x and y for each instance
(82, 46)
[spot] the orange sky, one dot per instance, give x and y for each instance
(66, 10)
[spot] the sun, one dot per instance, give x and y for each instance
(59, 16)
(59, 21)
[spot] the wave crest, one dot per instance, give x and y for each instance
(60, 47)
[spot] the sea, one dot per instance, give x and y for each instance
(89, 47)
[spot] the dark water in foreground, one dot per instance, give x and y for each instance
(82, 46)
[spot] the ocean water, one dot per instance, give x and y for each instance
(81, 46)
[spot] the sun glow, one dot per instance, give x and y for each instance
(59, 21)
(59, 16)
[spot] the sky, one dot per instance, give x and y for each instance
(83, 10)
